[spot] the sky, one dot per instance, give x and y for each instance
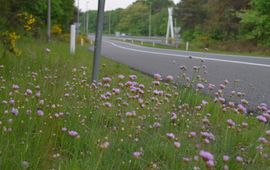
(110, 4)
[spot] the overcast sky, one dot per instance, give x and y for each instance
(110, 4)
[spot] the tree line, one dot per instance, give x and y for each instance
(200, 20)
(243, 21)
(63, 13)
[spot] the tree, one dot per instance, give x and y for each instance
(222, 22)
(191, 13)
(134, 19)
(159, 5)
(256, 22)
(62, 12)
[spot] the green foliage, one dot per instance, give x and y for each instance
(136, 19)
(62, 12)
(159, 22)
(256, 22)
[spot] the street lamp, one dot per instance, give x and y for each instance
(78, 18)
(87, 19)
(49, 21)
(150, 20)
(98, 39)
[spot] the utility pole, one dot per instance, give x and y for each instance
(49, 21)
(110, 17)
(87, 20)
(84, 22)
(98, 40)
(78, 18)
(150, 20)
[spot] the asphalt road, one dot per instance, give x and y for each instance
(251, 73)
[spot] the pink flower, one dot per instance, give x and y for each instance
(116, 91)
(192, 134)
(106, 79)
(107, 104)
(221, 100)
(262, 140)
(261, 118)
(133, 77)
(210, 163)
(208, 135)
(211, 86)
(14, 111)
(28, 92)
(15, 87)
(174, 116)
(157, 77)
(226, 158)
(222, 86)
(230, 122)
(137, 154)
(131, 114)
(73, 133)
(169, 78)
(12, 101)
(40, 112)
(200, 86)
(170, 135)
(206, 156)
(242, 109)
(239, 159)
(177, 144)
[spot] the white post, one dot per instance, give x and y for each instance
(187, 45)
(72, 38)
(82, 41)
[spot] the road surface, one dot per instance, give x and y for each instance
(252, 73)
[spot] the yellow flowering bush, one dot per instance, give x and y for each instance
(27, 20)
(9, 40)
(57, 30)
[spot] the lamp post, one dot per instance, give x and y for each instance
(98, 39)
(150, 20)
(110, 18)
(87, 19)
(78, 18)
(49, 21)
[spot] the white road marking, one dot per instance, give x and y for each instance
(194, 57)
(194, 52)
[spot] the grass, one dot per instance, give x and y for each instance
(87, 126)
(195, 48)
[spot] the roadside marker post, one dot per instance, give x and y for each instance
(82, 42)
(72, 38)
(98, 40)
(187, 46)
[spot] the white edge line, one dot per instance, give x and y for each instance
(194, 57)
(195, 52)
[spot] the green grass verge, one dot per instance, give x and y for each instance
(194, 48)
(107, 136)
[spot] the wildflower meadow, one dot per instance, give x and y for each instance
(53, 117)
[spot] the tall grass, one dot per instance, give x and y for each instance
(127, 121)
